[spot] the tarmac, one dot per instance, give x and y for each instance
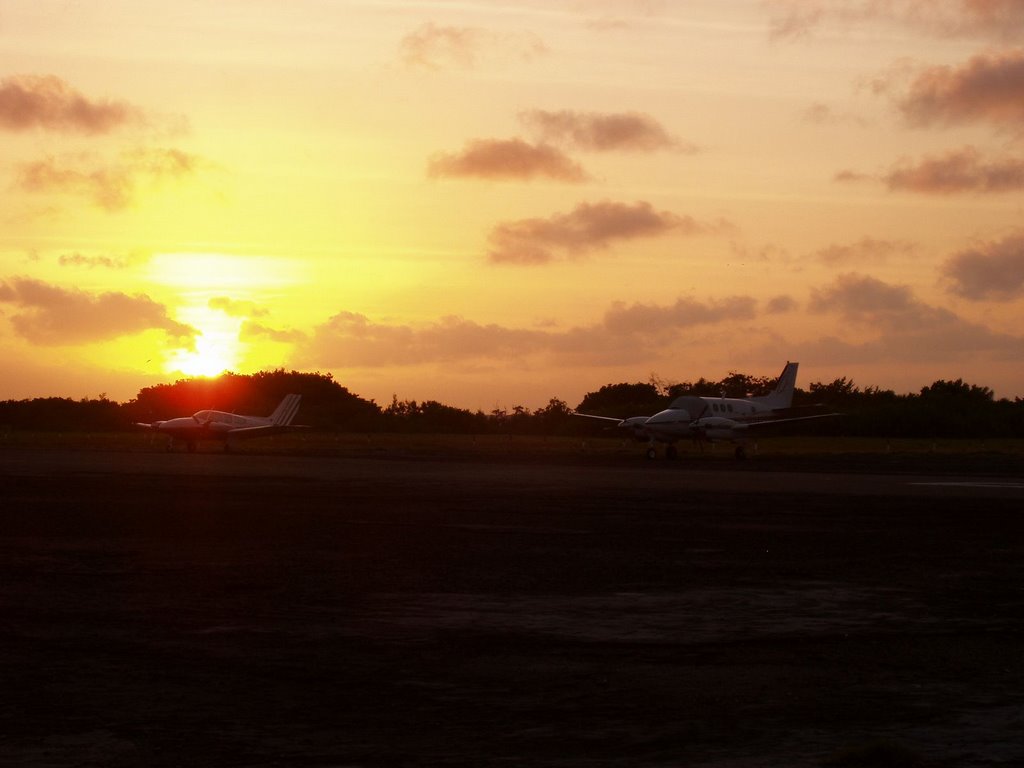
(659, 476)
(268, 610)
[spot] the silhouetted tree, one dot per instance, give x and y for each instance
(623, 400)
(61, 414)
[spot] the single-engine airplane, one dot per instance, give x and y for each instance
(707, 419)
(219, 425)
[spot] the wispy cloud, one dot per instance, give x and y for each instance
(81, 260)
(235, 307)
(109, 186)
(684, 313)
(48, 315)
(506, 159)
(434, 46)
(991, 271)
(588, 227)
(820, 113)
(46, 102)
(867, 250)
(990, 19)
(251, 330)
(603, 132)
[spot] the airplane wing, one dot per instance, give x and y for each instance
(767, 422)
(602, 418)
(265, 430)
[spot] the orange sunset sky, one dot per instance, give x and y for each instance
(496, 203)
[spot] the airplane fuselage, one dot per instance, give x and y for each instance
(208, 425)
(715, 418)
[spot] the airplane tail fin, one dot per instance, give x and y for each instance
(782, 395)
(285, 412)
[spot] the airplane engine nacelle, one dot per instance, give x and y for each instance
(717, 428)
(635, 425)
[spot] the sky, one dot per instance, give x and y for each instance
(493, 204)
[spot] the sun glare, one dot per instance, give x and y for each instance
(196, 279)
(221, 271)
(209, 358)
(216, 350)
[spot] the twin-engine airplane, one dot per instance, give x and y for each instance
(218, 425)
(707, 419)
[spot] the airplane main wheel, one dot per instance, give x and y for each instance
(651, 453)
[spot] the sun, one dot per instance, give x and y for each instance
(217, 348)
(196, 280)
(209, 358)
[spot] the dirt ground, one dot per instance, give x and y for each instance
(385, 612)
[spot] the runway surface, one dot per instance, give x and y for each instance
(255, 610)
(658, 476)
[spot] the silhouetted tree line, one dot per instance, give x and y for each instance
(943, 409)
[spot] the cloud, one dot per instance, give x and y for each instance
(108, 186)
(252, 330)
(999, 18)
(987, 88)
(79, 260)
(778, 305)
(865, 250)
(625, 334)
(685, 312)
(961, 170)
(236, 308)
(588, 227)
(507, 159)
(51, 316)
(820, 113)
(994, 270)
(432, 46)
(49, 103)
(793, 19)
(848, 175)
(906, 329)
(864, 299)
(995, 19)
(624, 131)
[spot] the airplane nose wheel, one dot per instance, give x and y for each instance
(651, 453)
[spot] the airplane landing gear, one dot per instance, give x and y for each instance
(652, 453)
